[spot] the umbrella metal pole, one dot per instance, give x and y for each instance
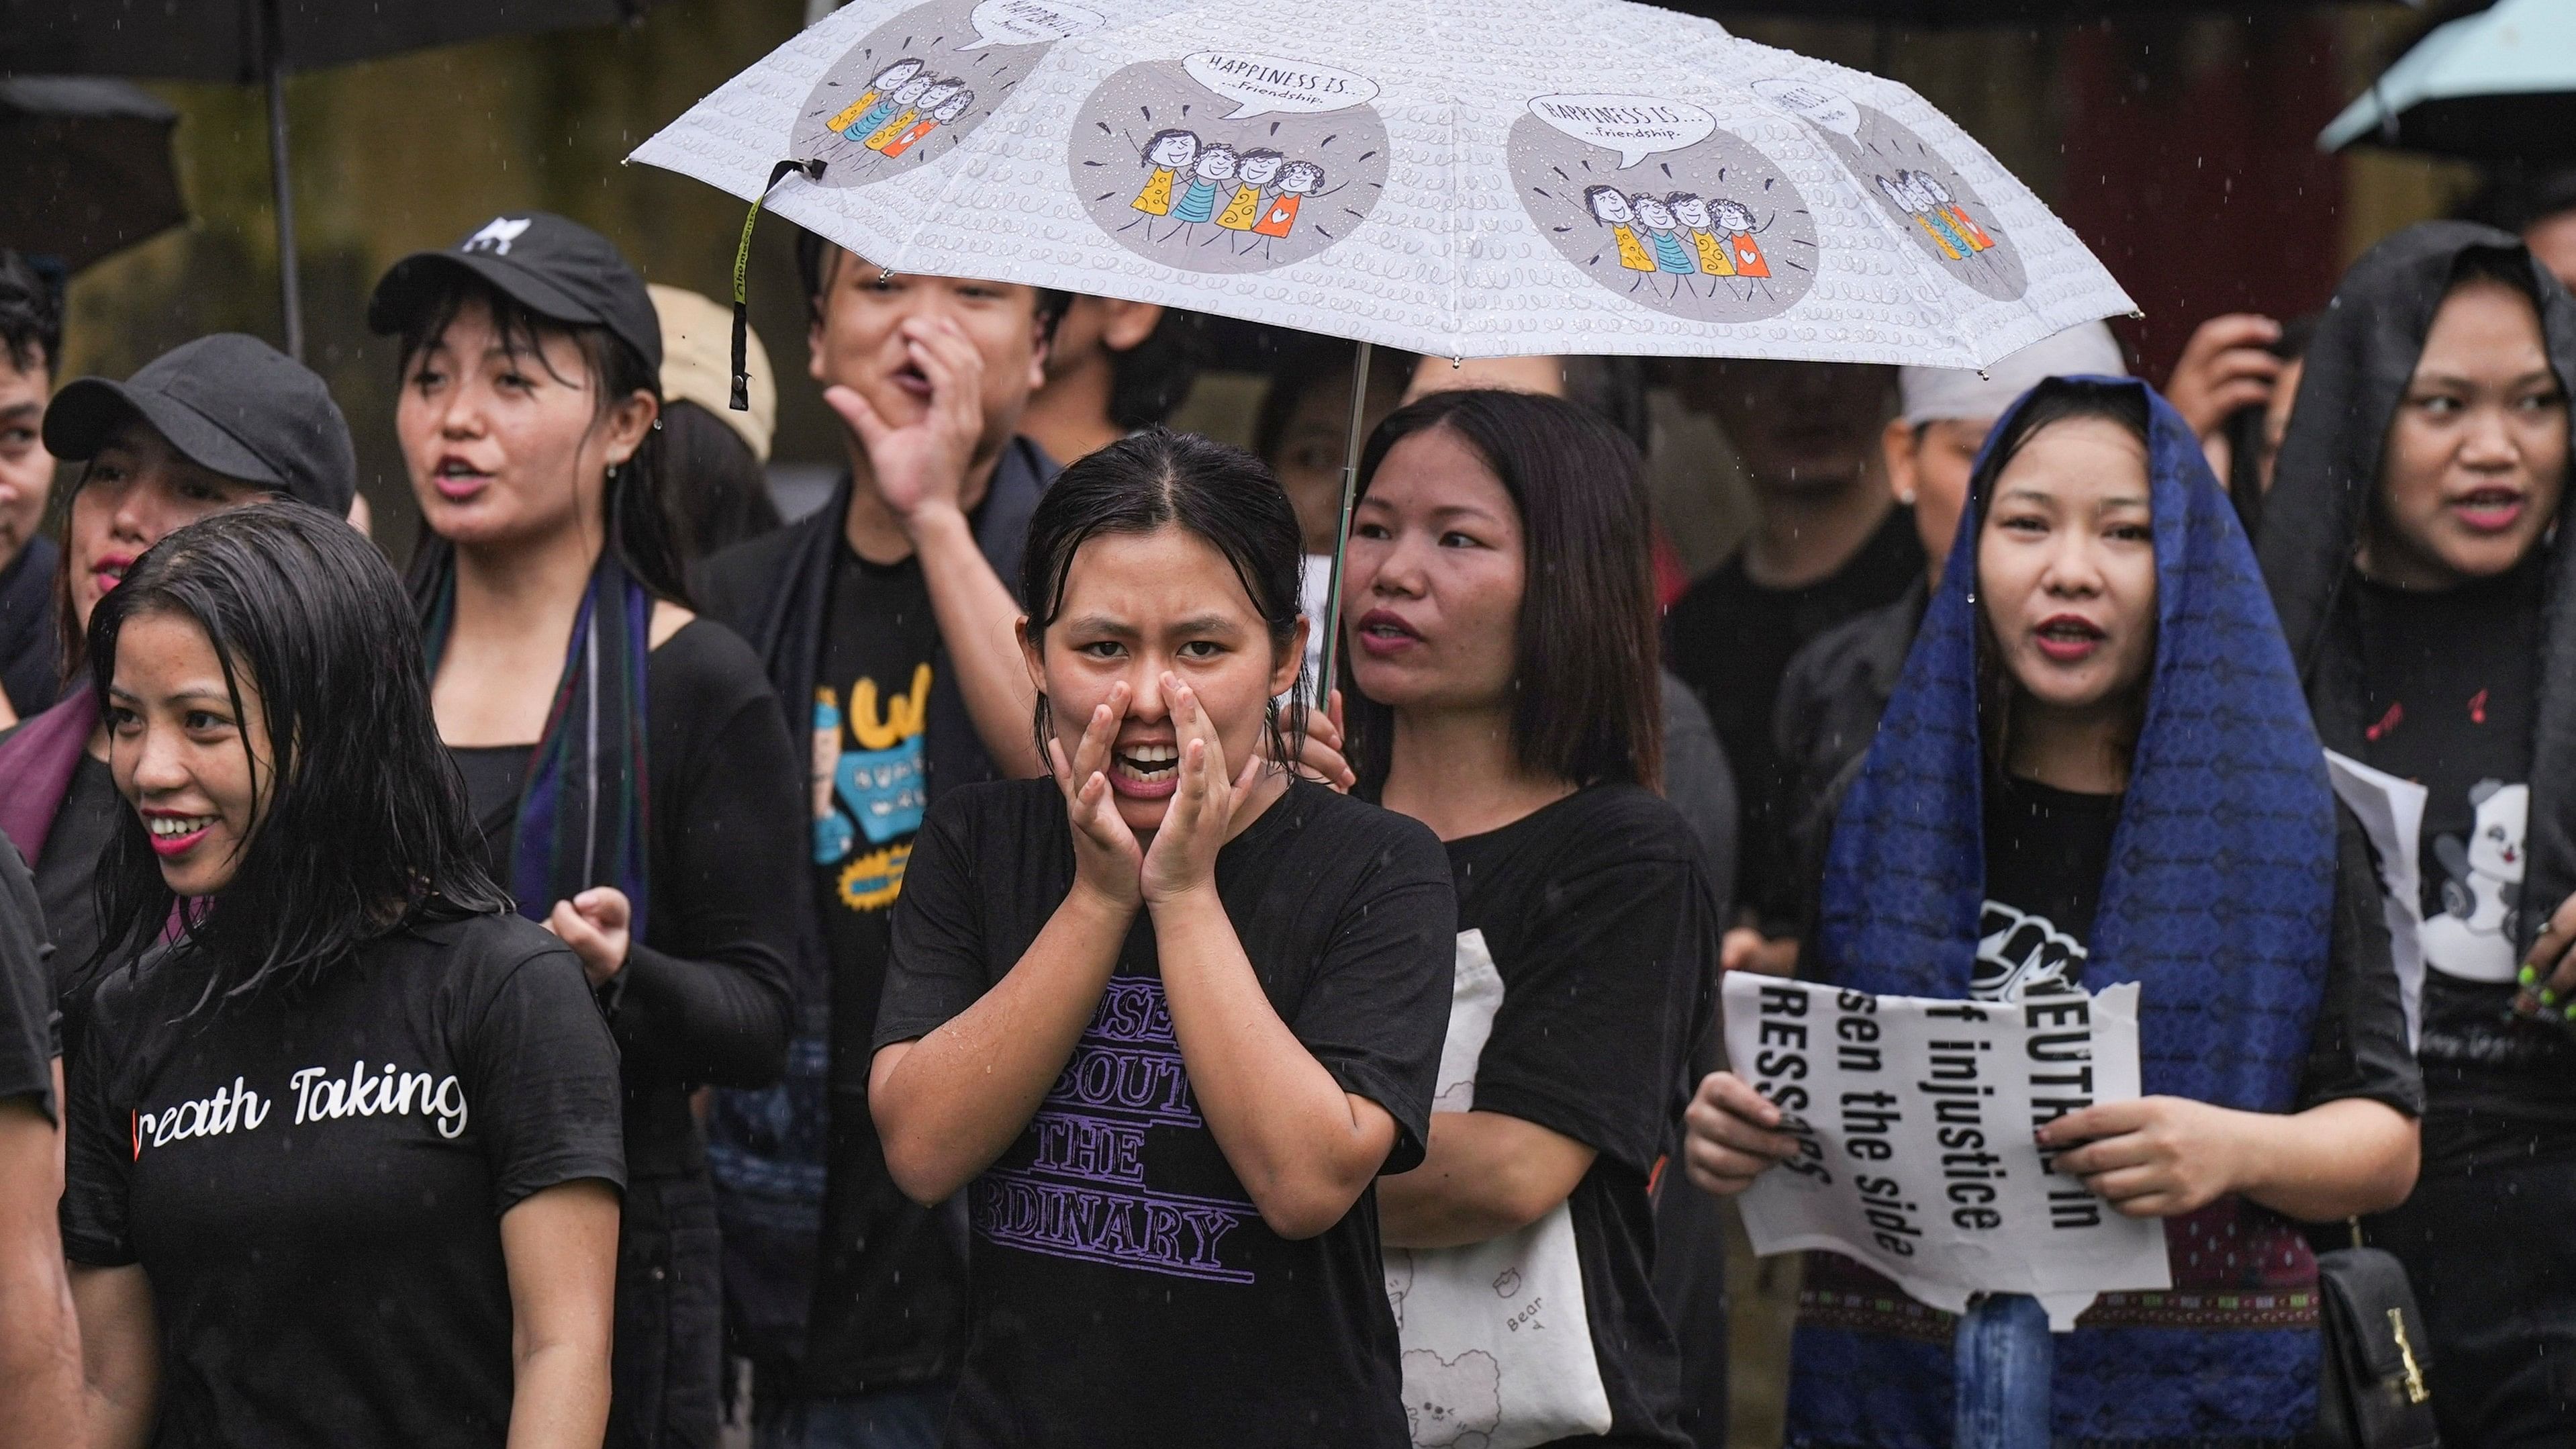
(1331, 623)
(281, 175)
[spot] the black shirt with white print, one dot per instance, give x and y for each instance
(312, 1179)
(2047, 851)
(30, 1027)
(2450, 698)
(1600, 920)
(1124, 1288)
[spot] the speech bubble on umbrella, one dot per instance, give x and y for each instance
(1030, 22)
(1827, 110)
(1260, 85)
(1634, 126)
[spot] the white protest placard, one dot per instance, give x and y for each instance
(2391, 812)
(1915, 1117)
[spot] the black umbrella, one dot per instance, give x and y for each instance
(260, 42)
(84, 167)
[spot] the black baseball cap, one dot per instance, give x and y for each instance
(554, 267)
(229, 403)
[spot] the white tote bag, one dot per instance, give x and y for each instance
(1497, 1346)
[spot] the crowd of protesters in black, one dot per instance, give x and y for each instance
(944, 970)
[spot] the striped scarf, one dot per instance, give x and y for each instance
(582, 817)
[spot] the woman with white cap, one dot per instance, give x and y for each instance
(713, 487)
(626, 761)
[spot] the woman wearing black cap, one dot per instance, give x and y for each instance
(628, 762)
(208, 425)
(344, 1145)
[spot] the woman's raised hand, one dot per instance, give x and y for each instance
(1201, 814)
(1106, 859)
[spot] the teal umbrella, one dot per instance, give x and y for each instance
(2496, 86)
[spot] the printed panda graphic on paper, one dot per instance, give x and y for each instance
(2473, 937)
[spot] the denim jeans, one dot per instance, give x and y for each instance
(897, 1419)
(2003, 1357)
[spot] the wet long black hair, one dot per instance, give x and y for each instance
(365, 826)
(1587, 704)
(639, 525)
(1159, 478)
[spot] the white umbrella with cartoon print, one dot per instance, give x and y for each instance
(1460, 178)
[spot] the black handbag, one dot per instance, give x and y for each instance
(2371, 1391)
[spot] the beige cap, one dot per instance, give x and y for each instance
(1933, 394)
(697, 364)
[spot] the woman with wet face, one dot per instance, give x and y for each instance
(344, 1158)
(1165, 1017)
(2099, 601)
(2414, 547)
(1502, 677)
(626, 761)
(211, 424)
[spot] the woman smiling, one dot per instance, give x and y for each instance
(347, 1077)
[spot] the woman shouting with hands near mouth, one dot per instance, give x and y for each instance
(1166, 1017)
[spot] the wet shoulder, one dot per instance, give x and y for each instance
(705, 667)
(1606, 825)
(1329, 830)
(998, 814)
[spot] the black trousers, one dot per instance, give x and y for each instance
(2492, 1255)
(667, 1364)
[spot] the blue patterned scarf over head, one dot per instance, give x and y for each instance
(2218, 900)
(582, 818)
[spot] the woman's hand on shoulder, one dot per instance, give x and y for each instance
(1319, 753)
(1730, 1135)
(1201, 815)
(2152, 1157)
(1106, 859)
(595, 925)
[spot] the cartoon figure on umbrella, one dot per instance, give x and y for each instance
(1267, 190)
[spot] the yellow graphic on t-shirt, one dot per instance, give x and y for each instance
(872, 881)
(903, 715)
(870, 790)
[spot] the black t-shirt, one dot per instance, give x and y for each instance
(2047, 851)
(705, 993)
(1600, 923)
(313, 1180)
(30, 1028)
(890, 1285)
(66, 874)
(1731, 639)
(2450, 690)
(28, 641)
(1125, 1290)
